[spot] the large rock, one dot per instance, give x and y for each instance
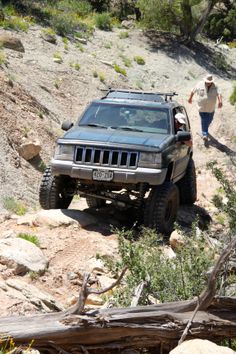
(200, 346)
(11, 42)
(29, 149)
(63, 217)
(20, 289)
(176, 240)
(22, 256)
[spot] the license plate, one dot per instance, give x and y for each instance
(102, 175)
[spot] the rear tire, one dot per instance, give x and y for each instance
(161, 208)
(188, 185)
(95, 202)
(53, 192)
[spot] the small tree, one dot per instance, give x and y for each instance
(186, 16)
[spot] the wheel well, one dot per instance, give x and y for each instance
(169, 172)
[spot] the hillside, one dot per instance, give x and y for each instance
(39, 92)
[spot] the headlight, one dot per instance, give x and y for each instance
(64, 152)
(150, 159)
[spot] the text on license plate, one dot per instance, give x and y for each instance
(102, 175)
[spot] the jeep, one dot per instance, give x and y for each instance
(125, 149)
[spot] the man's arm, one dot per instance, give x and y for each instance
(190, 97)
(220, 103)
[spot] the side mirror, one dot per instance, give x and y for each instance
(183, 136)
(66, 125)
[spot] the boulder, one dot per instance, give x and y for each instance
(200, 346)
(8, 41)
(63, 217)
(48, 37)
(29, 149)
(128, 24)
(20, 289)
(176, 240)
(94, 299)
(22, 256)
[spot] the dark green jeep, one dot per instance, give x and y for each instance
(125, 149)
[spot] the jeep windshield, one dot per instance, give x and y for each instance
(126, 117)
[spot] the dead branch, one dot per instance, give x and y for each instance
(78, 308)
(207, 295)
(137, 293)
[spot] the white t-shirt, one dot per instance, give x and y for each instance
(207, 96)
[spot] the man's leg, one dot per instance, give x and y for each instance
(204, 123)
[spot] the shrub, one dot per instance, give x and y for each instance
(102, 77)
(225, 202)
(28, 237)
(126, 61)
(232, 98)
(124, 35)
(220, 62)
(2, 57)
(103, 21)
(139, 60)
(179, 278)
(64, 24)
(15, 23)
(120, 70)
(17, 207)
(76, 66)
(81, 8)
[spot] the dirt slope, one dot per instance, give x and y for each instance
(37, 94)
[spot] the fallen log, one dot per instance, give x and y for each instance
(140, 326)
(132, 327)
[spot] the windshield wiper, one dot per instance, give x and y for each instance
(93, 125)
(128, 128)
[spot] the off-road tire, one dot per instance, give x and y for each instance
(52, 191)
(95, 202)
(161, 208)
(188, 185)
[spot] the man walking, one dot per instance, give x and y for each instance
(208, 94)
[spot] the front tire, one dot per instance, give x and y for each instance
(56, 192)
(188, 185)
(161, 208)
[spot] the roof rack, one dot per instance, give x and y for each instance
(140, 95)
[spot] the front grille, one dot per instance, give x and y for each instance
(106, 157)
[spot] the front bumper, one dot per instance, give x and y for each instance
(85, 172)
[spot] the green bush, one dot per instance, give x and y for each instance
(232, 98)
(220, 62)
(124, 35)
(15, 206)
(2, 57)
(15, 23)
(179, 278)
(28, 237)
(81, 8)
(225, 202)
(139, 60)
(120, 70)
(64, 24)
(103, 21)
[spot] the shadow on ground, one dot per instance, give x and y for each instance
(221, 147)
(109, 218)
(211, 59)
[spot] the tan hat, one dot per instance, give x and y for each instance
(180, 117)
(209, 79)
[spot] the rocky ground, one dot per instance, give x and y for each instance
(38, 92)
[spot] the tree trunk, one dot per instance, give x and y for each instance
(199, 26)
(138, 327)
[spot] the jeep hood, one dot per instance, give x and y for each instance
(114, 137)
